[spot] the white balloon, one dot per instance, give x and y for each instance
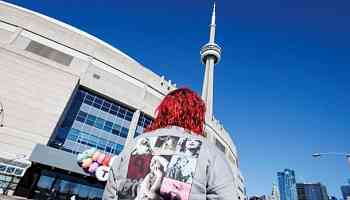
(102, 173)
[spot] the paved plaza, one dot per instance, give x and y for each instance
(2, 197)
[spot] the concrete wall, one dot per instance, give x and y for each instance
(33, 95)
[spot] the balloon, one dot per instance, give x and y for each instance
(106, 160)
(100, 158)
(86, 163)
(90, 152)
(82, 157)
(95, 155)
(93, 167)
(102, 173)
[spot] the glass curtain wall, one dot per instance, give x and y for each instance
(93, 121)
(143, 122)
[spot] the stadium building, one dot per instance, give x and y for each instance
(63, 91)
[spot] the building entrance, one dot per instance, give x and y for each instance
(55, 184)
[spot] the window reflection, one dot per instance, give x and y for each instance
(65, 186)
(10, 170)
(2, 168)
(45, 182)
(19, 172)
(220, 146)
(144, 122)
(83, 191)
(93, 194)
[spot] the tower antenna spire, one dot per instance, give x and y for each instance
(212, 25)
(210, 55)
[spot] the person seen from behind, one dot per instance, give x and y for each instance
(172, 159)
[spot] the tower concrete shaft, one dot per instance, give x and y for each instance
(210, 55)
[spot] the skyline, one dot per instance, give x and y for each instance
(318, 91)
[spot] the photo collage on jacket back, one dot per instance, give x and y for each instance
(161, 167)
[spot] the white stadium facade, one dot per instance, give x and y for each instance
(63, 91)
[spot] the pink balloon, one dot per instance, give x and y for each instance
(101, 157)
(93, 167)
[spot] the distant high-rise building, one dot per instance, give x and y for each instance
(301, 191)
(333, 198)
(311, 191)
(287, 185)
(345, 190)
(263, 197)
(274, 194)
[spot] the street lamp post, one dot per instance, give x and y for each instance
(1, 114)
(346, 155)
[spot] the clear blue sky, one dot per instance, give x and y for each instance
(282, 88)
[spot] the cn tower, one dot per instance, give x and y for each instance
(210, 55)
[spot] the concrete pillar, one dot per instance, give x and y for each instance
(207, 91)
(15, 35)
(209, 134)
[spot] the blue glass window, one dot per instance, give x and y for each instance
(99, 123)
(124, 132)
(89, 99)
(73, 134)
(144, 121)
(121, 113)
(116, 126)
(108, 126)
(102, 144)
(128, 116)
(114, 110)
(81, 116)
(105, 106)
(91, 120)
(115, 132)
(118, 148)
(97, 103)
(97, 117)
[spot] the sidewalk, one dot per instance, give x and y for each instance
(2, 197)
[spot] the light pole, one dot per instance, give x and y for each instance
(346, 155)
(1, 114)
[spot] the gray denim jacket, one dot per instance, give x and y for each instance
(169, 164)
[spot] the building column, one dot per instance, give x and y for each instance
(133, 126)
(15, 36)
(211, 134)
